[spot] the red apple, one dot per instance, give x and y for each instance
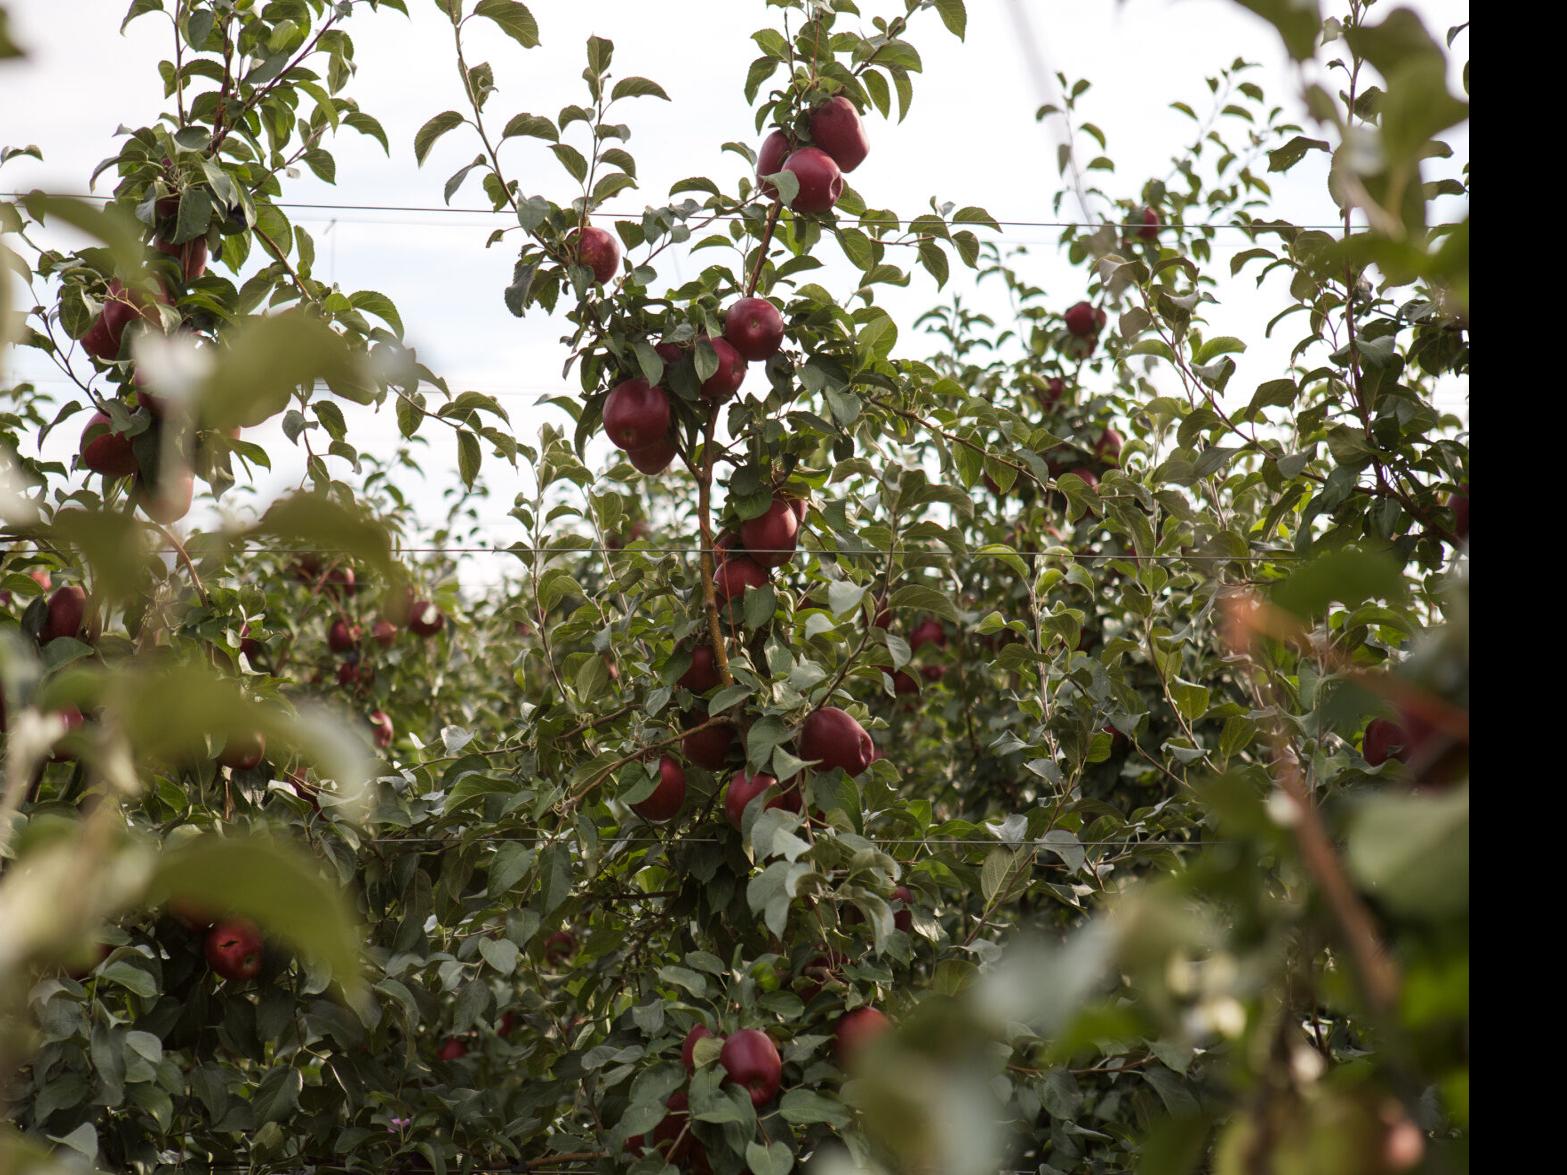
(73, 720)
(726, 381)
(250, 645)
(192, 255)
(1087, 476)
(837, 130)
(508, 1021)
(381, 728)
(342, 637)
(105, 451)
(750, 1058)
(1458, 502)
(902, 916)
(1055, 388)
(770, 538)
(770, 160)
(559, 948)
(856, 1030)
(744, 788)
(821, 183)
(928, 632)
(709, 747)
(688, 1046)
(1108, 446)
(738, 575)
(1150, 226)
(599, 250)
(703, 674)
(426, 619)
(1084, 320)
(233, 949)
(933, 672)
(903, 684)
(754, 328)
(169, 500)
(636, 414)
(383, 632)
(798, 505)
(653, 459)
(673, 1139)
(1384, 739)
(452, 1049)
(832, 738)
(341, 582)
(668, 797)
(244, 752)
(120, 308)
(66, 615)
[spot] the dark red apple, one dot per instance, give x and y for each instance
(750, 1058)
(1083, 320)
(709, 747)
(928, 632)
(855, 1031)
(902, 915)
(233, 949)
(426, 619)
(105, 451)
(636, 414)
(933, 672)
(738, 575)
(903, 684)
(599, 250)
(673, 1139)
(508, 1021)
(1458, 502)
(559, 948)
(703, 674)
(798, 505)
(342, 637)
(120, 308)
(726, 381)
(244, 752)
(66, 615)
(821, 183)
(192, 255)
(169, 500)
(383, 632)
(742, 789)
(668, 797)
(1384, 739)
(770, 538)
(770, 160)
(832, 738)
(1149, 230)
(1087, 476)
(837, 130)
(381, 728)
(250, 645)
(754, 328)
(452, 1049)
(653, 459)
(688, 1046)
(1055, 388)
(341, 582)
(1108, 446)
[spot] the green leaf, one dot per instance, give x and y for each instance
(772, 1159)
(916, 597)
(1350, 576)
(266, 360)
(954, 16)
(513, 18)
(637, 88)
(1412, 851)
(433, 130)
(803, 1107)
(1297, 21)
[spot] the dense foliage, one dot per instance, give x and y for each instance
(1041, 755)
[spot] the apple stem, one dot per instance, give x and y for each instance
(761, 249)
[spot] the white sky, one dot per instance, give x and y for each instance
(970, 138)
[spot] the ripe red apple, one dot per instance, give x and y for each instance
(120, 308)
(233, 949)
(770, 160)
(703, 674)
(1084, 320)
(559, 948)
(66, 615)
(1458, 502)
(192, 255)
(668, 797)
(355, 671)
(41, 576)
(426, 619)
(856, 1030)
(688, 1047)
(381, 728)
(1087, 476)
(1150, 226)
(105, 451)
(726, 381)
(903, 684)
(902, 915)
(933, 672)
(73, 720)
(834, 739)
(342, 637)
(798, 505)
(750, 1058)
(169, 500)
(837, 130)
(244, 752)
(1108, 446)
(636, 414)
(928, 632)
(742, 789)
(653, 459)
(673, 1139)
(452, 1049)
(709, 747)
(384, 632)
(341, 582)
(821, 183)
(1055, 388)
(738, 575)
(754, 328)
(508, 1021)
(770, 538)
(599, 250)
(1384, 739)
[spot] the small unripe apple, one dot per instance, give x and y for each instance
(342, 637)
(1084, 320)
(726, 381)
(710, 746)
(668, 797)
(750, 1059)
(833, 738)
(737, 576)
(1384, 739)
(688, 1046)
(652, 459)
(244, 752)
(703, 674)
(1149, 230)
(599, 250)
(452, 1049)
(233, 949)
(384, 632)
(426, 619)
(636, 414)
(821, 183)
(770, 538)
(754, 328)
(105, 451)
(928, 632)
(66, 615)
(381, 728)
(856, 1030)
(770, 160)
(837, 130)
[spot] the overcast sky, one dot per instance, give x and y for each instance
(970, 138)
